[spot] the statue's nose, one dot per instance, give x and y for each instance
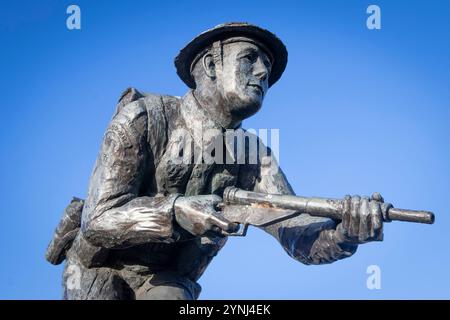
(260, 70)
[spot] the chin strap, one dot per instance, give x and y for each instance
(217, 53)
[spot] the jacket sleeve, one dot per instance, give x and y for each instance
(115, 216)
(305, 238)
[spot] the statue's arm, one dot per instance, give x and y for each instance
(308, 239)
(115, 216)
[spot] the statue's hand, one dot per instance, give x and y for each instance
(198, 215)
(362, 219)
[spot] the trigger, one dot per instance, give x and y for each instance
(241, 232)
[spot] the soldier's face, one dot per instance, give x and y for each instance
(246, 70)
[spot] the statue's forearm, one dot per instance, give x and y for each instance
(308, 239)
(140, 220)
(313, 240)
(327, 248)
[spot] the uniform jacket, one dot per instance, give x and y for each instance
(135, 181)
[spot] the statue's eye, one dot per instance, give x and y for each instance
(249, 57)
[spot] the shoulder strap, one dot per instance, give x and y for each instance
(157, 122)
(156, 125)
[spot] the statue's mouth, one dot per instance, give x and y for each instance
(257, 86)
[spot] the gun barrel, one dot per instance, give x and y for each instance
(322, 207)
(411, 215)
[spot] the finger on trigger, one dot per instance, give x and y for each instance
(220, 222)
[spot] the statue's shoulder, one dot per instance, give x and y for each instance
(134, 101)
(129, 95)
(150, 113)
(128, 104)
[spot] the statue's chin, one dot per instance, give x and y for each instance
(246, 109)
(244, 105)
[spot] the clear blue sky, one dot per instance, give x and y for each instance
(358, 111)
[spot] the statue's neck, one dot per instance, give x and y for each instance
(215, 108)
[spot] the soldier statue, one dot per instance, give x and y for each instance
(150, 225)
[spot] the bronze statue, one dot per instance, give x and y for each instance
(151, 224)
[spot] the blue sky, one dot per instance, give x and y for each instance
(358, 111)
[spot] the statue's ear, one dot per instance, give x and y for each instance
(209, 66)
